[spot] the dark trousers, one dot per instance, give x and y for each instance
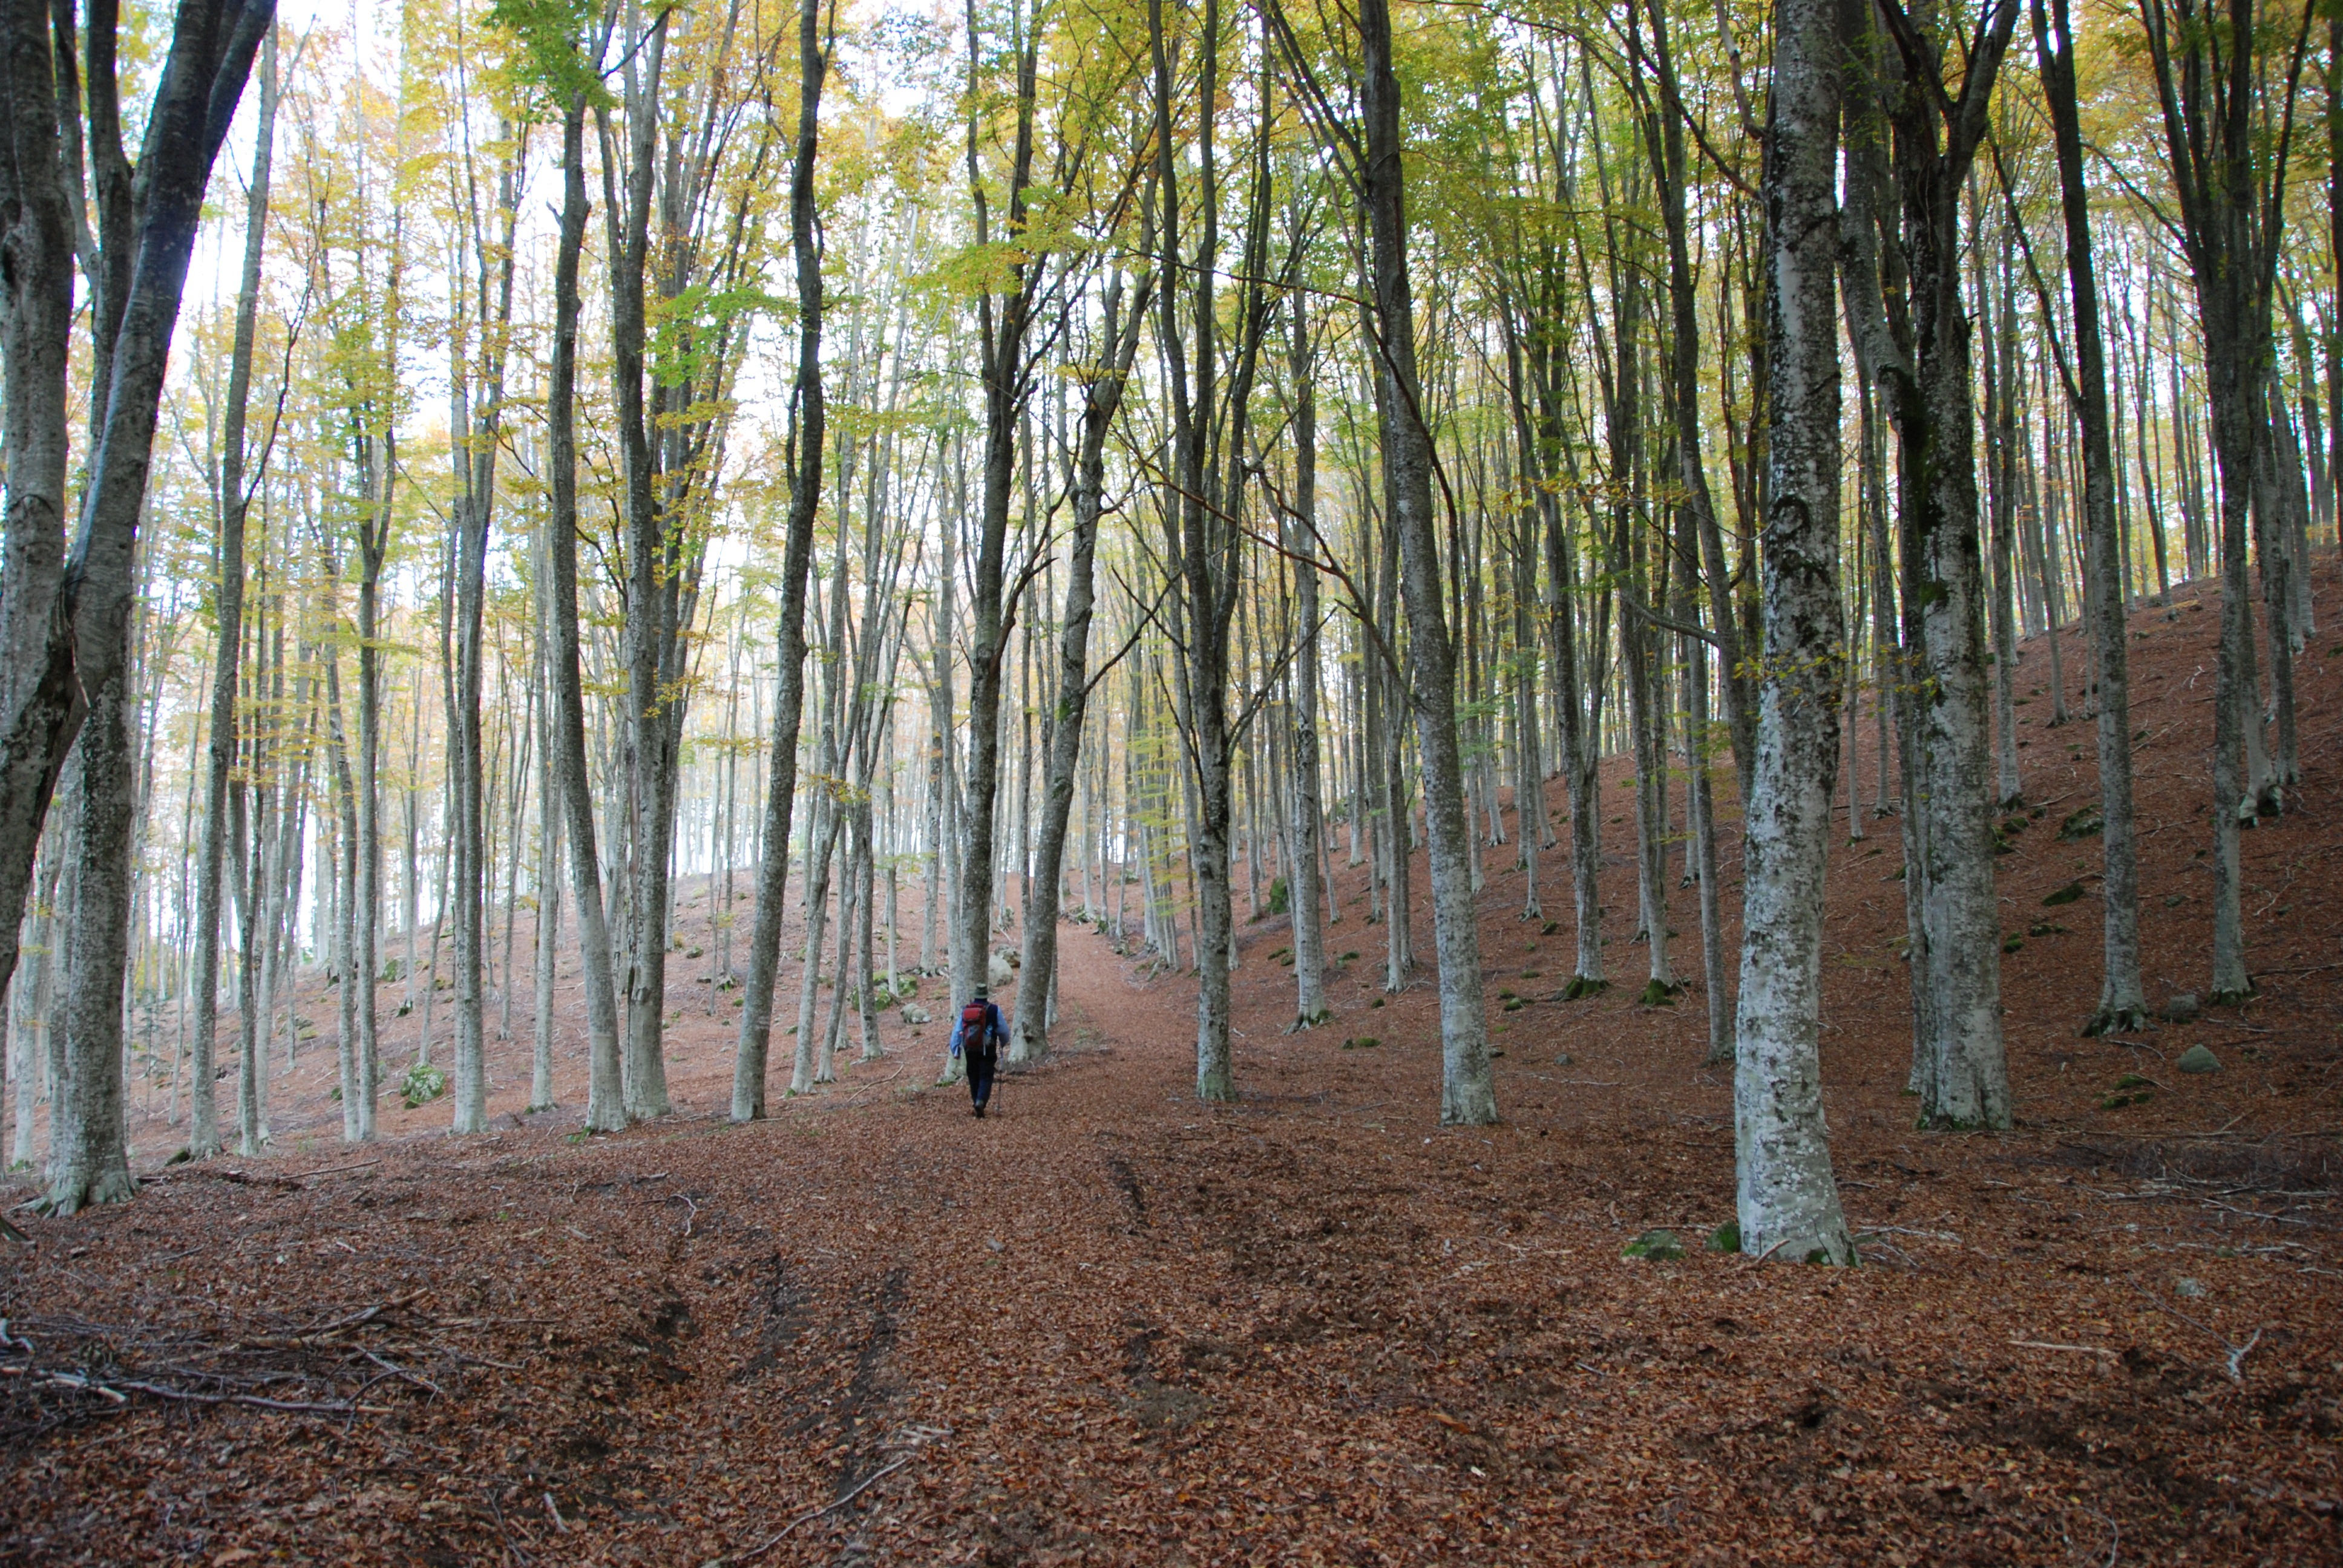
(980, 1067)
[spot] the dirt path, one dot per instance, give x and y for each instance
(1110, 1325)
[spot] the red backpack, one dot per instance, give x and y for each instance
(975, 1024)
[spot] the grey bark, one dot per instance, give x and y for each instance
(753, 1049)
(233, 499)
(1305, 890)
(1101, 395)
(1467, 1095)
(605, 1098)
(1786, 1199)
(65, 615)
(2122, 1003)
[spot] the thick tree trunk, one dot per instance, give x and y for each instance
(1788, 1199)
(1916, 345)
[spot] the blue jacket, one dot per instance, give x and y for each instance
(995, 1030)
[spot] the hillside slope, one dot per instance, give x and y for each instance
(1112, 1325)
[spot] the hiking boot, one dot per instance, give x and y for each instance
(977, 1110)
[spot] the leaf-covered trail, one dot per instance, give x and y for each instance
(1112, 1325)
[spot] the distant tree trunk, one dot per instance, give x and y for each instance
(2226, 169)
(548, 862)
(754, 1046)
(233, 499)
(1467, 1097)
(1663, 141)
(1101, 394)
(476, 472)
(2122, 1003)
(1306, 892)
(350, 978)
(1788, 1199)
(2001, 446)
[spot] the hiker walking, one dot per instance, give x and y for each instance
(976, 1038)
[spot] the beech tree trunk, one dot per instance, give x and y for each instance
(754, 1047)
(604, 1099)
(1788, 1199)
(1306, 892)
(233, 500)
(65, 616)
(1467, 1096)
(2122, 1003)
(1102, 392)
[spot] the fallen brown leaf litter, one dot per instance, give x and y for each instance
(1112, 1325)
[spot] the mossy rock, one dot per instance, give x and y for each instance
(1659, 1245)
(423, 1084)
(2197, 1059)
(2083, 824)
(2134, 1080)
(1361, 1042)
(2184, 1008)
(2117, 1101)
(1564, 1059)
(1726, 1237)
(1515, 1004)
(2013, 943)
(1550, 928)
(2071, 893)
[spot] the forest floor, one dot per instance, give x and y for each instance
(1111, 1324)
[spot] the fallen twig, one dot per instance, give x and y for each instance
(2238, 1352)
(395, 1370)
(868, 1483)
(115, 1392)
(2078, 1349)
(2252, 1213)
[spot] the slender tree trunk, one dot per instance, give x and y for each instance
(2122, 1003)
(234, 499)
(1005, 376)
(1029, 1035)
(1467, 1097)
(754, 1046)
(1304, 893)
(604, 1099)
